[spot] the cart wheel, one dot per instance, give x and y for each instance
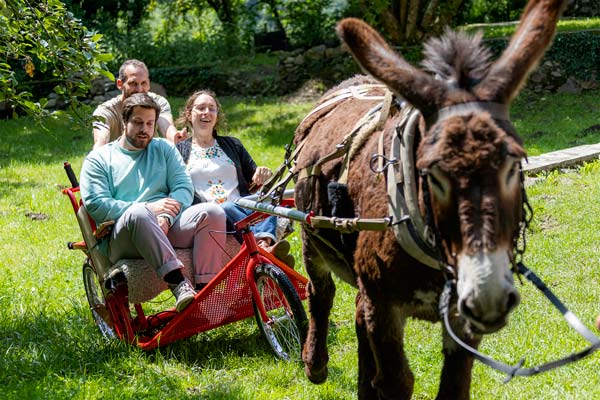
(95, 297)
(286, 329)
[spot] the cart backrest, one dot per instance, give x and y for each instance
(100, 261)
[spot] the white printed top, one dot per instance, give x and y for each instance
(213, 173)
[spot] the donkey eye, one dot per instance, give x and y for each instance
(509, 171)
(514, 168)
(439, 182)
(433, 180)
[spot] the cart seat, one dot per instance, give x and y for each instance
(142, 281)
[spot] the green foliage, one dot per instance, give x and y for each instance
(577, 52)
(185, 80)
(42, 44)
(175, 34)
(101, 14)
(478, 11)
(307, 23)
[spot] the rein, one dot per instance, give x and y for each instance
(520, 269)
(517, 370)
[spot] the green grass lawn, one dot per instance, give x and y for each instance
(506, 29)
(50, 348)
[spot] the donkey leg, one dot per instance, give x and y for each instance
(455, 381)
(321, 291)
(393, 378)
(366, 362)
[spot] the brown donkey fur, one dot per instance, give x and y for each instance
(469, 161)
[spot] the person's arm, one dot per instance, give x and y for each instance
(101, 136)
(166, 127)
(165, 123)
(179, 181)
(101, 127)
(96, 193)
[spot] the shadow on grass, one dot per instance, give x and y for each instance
(38, 348)
(239, 339)
(8, 186)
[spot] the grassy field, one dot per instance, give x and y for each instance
(506, 29)
(50, 348)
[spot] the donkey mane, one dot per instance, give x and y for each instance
(462, 151)
(457, 58)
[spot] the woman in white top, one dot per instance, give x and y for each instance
(222, 170)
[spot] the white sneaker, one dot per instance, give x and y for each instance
(184, 294)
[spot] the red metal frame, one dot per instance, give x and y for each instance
(225, 299)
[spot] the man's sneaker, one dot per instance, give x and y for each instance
(184, 294)
(288, 260)
(280, 249)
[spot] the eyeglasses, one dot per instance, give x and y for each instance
(210, 109)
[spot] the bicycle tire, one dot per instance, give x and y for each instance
(96, 301)
(287, 326)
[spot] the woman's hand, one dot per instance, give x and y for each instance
(260, 176)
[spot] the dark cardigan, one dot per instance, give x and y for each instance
(235, 150)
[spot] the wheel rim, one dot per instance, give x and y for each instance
(96, 302)
(280, 330)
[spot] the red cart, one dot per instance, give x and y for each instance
(252, 282)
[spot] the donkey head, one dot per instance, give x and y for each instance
(469, 155)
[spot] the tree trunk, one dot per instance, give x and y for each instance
(411, 21)
(224, 10)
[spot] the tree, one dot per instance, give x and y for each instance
(100, 13)
(41, 44)
(407, 21)
(227, 10)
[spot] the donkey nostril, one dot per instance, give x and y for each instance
(468, 310)
(513, 300)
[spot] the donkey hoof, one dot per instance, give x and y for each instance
(316, 377)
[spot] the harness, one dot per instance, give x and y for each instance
(351, 143)
(418, 236)
(402, 191)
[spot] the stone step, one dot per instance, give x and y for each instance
(561, 158)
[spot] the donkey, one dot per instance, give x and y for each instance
(469, 195)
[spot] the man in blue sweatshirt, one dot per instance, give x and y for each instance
(140, 182)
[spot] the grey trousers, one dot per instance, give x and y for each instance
(137, 234)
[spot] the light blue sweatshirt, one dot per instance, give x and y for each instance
(113, 178)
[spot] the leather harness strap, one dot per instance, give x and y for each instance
(356, 138)
(408, 225)
(358, 92)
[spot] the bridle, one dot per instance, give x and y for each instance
(433, 235)
(519, 246)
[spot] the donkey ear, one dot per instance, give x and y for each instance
(376, 57)
(526, 48)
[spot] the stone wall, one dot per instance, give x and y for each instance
(103, 89)
(551, 77)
